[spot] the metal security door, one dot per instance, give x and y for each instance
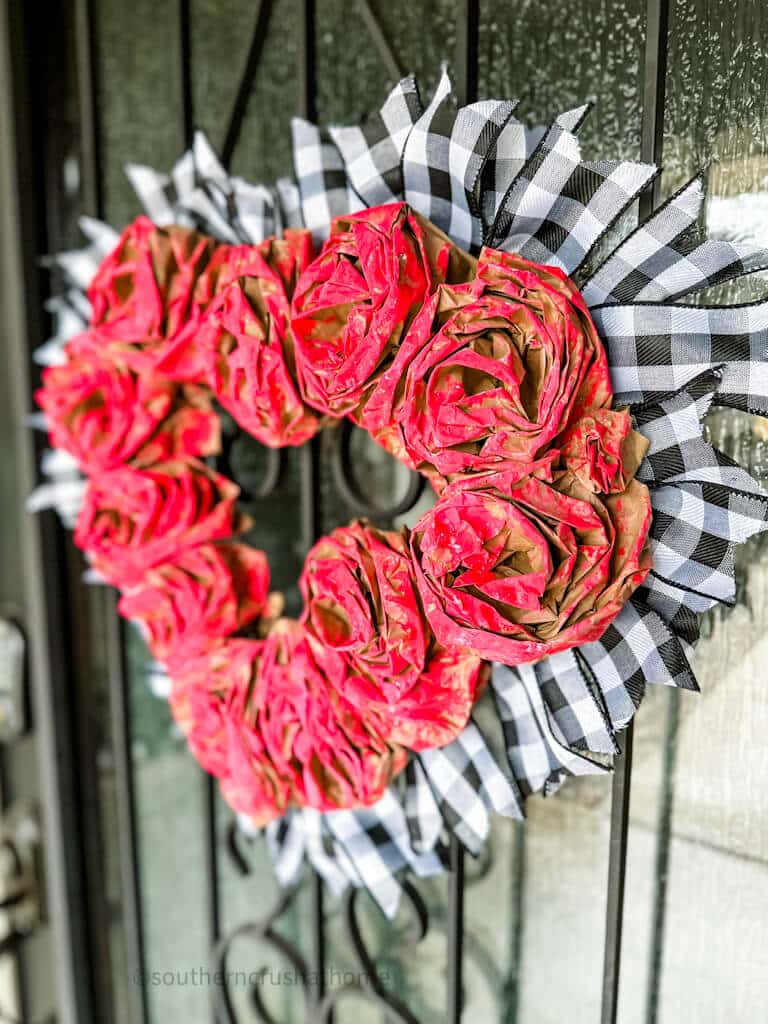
(162, 911)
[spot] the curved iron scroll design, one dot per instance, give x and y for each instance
(351, 492)
(235, 838)
(233, 437)
(373, 989)
(261, 932)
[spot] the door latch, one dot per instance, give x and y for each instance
(13, 710)
(21, 888)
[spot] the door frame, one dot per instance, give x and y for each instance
(45, 607)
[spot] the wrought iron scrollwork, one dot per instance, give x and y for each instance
(369, 984)
(235, 838)
(345, 480)
(263, 932)
(272, 473)
(235, 443)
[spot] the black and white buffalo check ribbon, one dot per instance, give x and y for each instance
(485, 178)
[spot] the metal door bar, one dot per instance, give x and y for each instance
(119, 696)
(654, 91)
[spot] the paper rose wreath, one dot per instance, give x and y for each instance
(425, 277)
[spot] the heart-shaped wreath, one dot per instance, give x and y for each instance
(426, 278)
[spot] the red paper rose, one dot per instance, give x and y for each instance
(142, 294)
(361, 600)
(105, 415)
(247, 348)
(268, 720)
(337, 756)
(211, 590)
(133, 519)
(490, 373)
(518, 569)
(602, 450)
(210, 701)
(281, 260)
(355, 301)
(276, 264)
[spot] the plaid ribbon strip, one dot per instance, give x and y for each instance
(70, 312)
(434, 158)
(484, 177)
(574, 704)
(367, 848)
(678, 608)
(422, 812)
(674, 430)
(321, 852)
(467, 149)
(467, 783)
(63, 487)
(377, 842)
(654, 349)
(323, 188)
(290, 203)
(513, 146)
(695, 527)
(373, 152)
(443, 160)
(666, 258)
(200, 193)
(70, 309)
(538, 753)
(286, 844)
(426, 177)
(704, 503)
(642, 650)
(558, 207)
(78, 266)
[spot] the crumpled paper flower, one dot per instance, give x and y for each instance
(210, 702)
(267, 719)
(361, 600)
(210, 590)
(142, 294)
(276, 264)
(337, 755)
(105, 415)
(355, 301)
(490, 373)
(247, 349)
(603, 450)
(517, 567)
(133, 519)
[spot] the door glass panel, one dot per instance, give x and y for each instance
(139, 95)
(698, 854)
(553, 59)
(221, 35)
(353, 76)
(553, 872)
(169, 789)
